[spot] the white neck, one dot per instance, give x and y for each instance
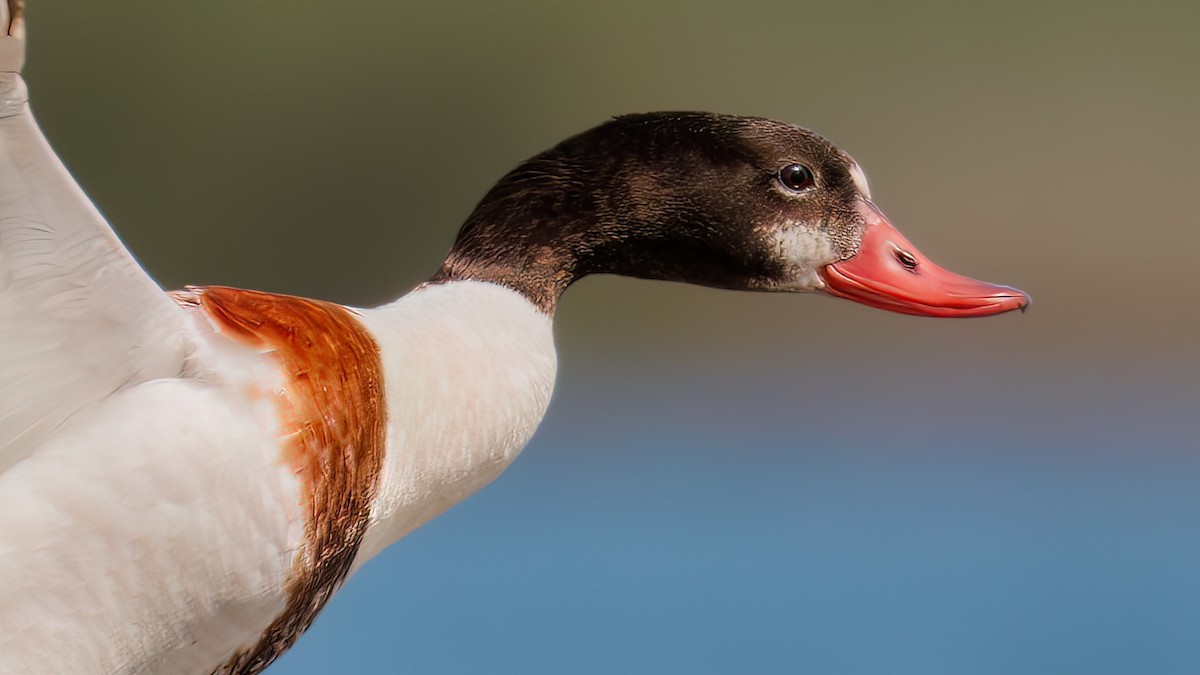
(469, 367)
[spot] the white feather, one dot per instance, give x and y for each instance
(147, 522)
(146, 535)
(79, 319)
(803, 249)
(469, 368)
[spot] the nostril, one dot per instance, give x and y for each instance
(908, 260)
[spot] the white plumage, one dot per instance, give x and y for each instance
(147, 520)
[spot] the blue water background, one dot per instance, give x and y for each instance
(944, 525)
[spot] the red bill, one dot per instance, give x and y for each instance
(890, 273)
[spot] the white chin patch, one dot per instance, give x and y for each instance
(805, 251)
(860, 180)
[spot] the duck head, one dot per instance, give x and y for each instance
(717, 200)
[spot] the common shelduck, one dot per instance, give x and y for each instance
(189, 476)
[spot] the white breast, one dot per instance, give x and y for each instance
(163, 479)
(148, 534)
(469, 368)
(160, 527)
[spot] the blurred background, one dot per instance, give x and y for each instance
(725, 482)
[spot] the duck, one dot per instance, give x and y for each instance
(187, 477)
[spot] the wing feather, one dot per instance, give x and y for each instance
(79, 318)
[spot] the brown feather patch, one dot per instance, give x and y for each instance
(333, 413)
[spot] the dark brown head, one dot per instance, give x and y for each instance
(717, 200)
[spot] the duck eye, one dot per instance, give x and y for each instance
(908, 260)
(796, 177)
